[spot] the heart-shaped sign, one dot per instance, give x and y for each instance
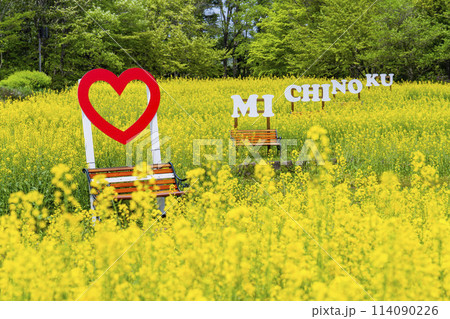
(119, 83)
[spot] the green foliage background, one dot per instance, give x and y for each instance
(26, 81)
(214, 38)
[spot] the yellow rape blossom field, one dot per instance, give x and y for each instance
(370, 224)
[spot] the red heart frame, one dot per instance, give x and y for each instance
(119, 83)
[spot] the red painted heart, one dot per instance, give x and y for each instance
(119, 83)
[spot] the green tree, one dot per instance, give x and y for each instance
(10, 30)
(79, 41)
(350, 38)
(209, 38)
(411, 40)
(271, 52)
(167, 38)
(333, 39)
(236, 27)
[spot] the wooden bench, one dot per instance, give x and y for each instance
(256, 137)
(166, 182)
(268, 137)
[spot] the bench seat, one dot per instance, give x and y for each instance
(163, 180)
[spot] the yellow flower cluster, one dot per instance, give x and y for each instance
(286, 237)
(372, 222)
(378, 133)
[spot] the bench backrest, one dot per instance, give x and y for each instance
(254, 136)
(122, 179)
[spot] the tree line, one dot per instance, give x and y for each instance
(227, 38)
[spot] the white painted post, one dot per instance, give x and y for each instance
(89, 148)
(88, 140)
(154, 136)
(156, 151)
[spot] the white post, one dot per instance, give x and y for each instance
(156, 151)
(154, 136)
(88, 140)
(89, 148)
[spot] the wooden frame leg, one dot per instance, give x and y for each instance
(161, 201)
(94, 217)
(91, 200)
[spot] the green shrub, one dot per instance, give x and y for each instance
(6, 93)
(27, 81)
